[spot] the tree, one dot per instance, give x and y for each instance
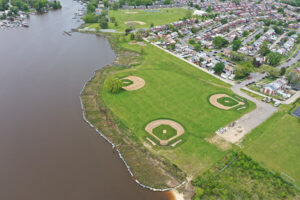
(90, 8)
(235, 56)
(219, 42)
(274, 58)
(113, 19)
(277, 30)
(245, 33)
(219, 67)
(167, 2)
(242, 71)
(236, 44)
(264, 49)
(291, 33)
(282, 71)
(172, 46)
(103, 22)
(192, 41)
(208, 9)
(280, 10)
(132, 37)
(40, 5)
(224, 21)
(197, 47)
(194, 30)
(258, 36)
(139, 36)
(115, 6)
(114, 85)
(90, 18)
(273, 72)
(255, 63)
(152, 24)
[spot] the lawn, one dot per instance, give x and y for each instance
(157, 17)
(169, 132)
(174, 90)
(227, 101)
(276, 144)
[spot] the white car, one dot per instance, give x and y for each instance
(277, 103)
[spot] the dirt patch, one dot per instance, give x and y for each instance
(138, 83)
(219, 142)
(138, 43)
(135, 22)
(173, 124)
(214, 101)
(130, 12)
(233, 133)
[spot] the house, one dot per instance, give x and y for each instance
(274, 87)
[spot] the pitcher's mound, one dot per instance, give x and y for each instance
(138, 83)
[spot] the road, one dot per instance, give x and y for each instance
(292, 61)
(251, 37)
(278, 40)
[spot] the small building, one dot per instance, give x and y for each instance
(274, 87)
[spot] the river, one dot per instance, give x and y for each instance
(47, 151)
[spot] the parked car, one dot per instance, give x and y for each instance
(277, 103)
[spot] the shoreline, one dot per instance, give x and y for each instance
(173, 190)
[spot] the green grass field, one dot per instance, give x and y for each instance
(170, 132)
(126, 82)
(227, 101)
(276, 144)
(174, 90)
(165, 16)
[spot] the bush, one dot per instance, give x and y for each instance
(114, 85)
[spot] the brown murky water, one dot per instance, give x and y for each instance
(47, 151)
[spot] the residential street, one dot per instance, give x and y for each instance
(251, 37)
(292, 61)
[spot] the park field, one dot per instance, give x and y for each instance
(178, 91)
(143, 18)
(276, 144)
